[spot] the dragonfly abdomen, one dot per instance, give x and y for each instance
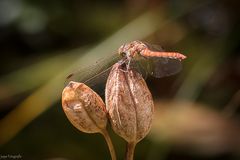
(174, 55)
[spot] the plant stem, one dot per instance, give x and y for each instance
(109, 143)
(130, 150)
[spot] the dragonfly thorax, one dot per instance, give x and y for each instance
(132, 50)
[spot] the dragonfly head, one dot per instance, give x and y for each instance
(122, 51)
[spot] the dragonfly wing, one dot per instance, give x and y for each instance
(140, 66)
(161, 67)
(154, 47)
(94, 75)
(98, 82)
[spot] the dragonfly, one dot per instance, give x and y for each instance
(147, 59)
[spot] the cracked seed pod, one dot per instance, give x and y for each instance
(84, 108)
(129, 103)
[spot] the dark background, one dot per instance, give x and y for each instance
(41, 42)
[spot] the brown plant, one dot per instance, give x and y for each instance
(129, 104)
(86, 111)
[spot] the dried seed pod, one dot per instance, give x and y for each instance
(129, 103)
(84, 108)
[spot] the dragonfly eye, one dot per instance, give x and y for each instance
(123, 54)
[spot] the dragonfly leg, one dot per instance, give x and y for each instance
(128, 64)
(124, 61)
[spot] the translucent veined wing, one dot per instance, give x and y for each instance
(140, 65)
(95, 75)
(161, 66)
(154, 47)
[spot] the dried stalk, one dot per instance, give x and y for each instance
(110, 144)
(130, 150)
